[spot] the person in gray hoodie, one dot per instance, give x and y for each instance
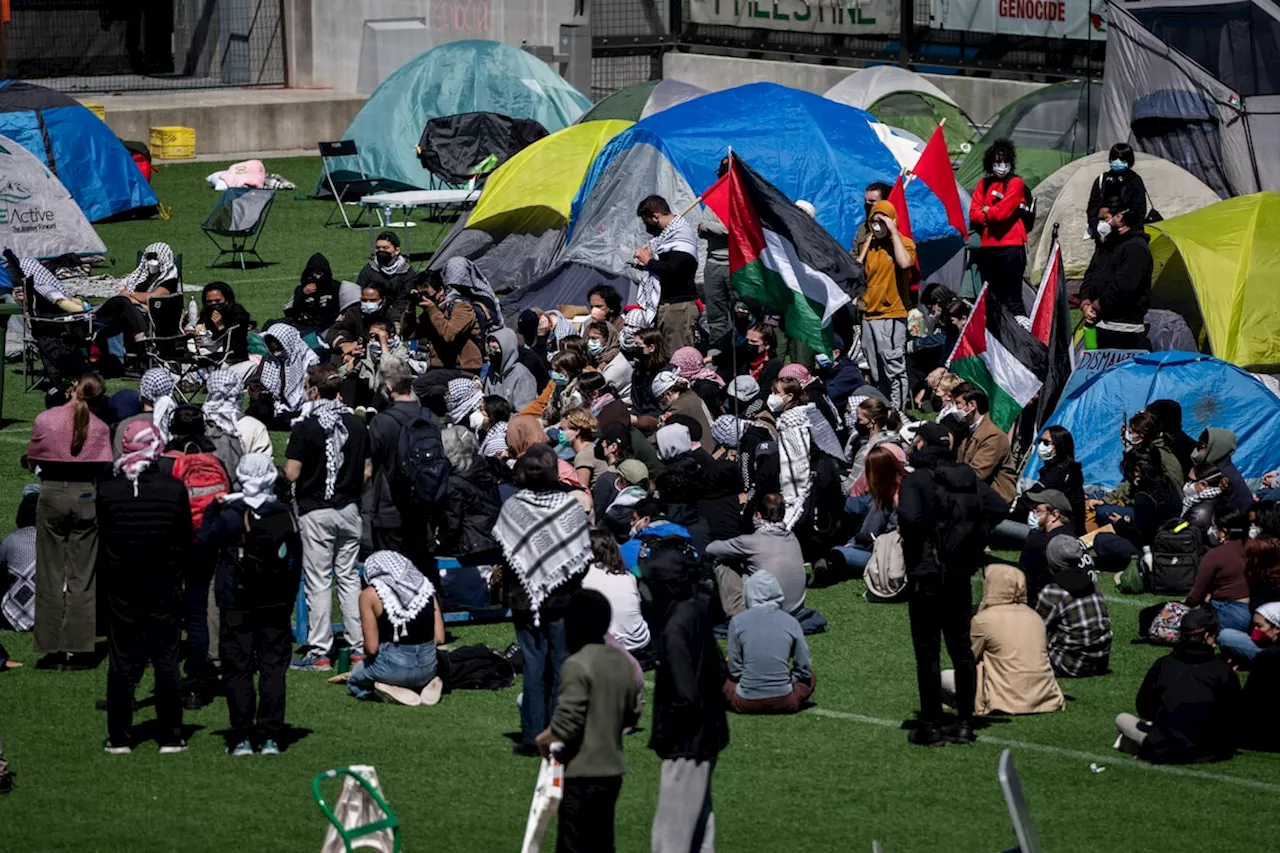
(769, 670)
(1216, 445)
(507, 377)
(772, 546)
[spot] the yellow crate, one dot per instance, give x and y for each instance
(97, 109)
(173, 143)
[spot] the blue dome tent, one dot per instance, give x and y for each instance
(1211, 393)
(458, 77)
(75, 145)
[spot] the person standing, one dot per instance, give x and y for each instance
(668, 293)
(943, 540)
(327, 460)
(996, 214)
(1119, 181)
(70, 449)
(690, 726)
(599, 700)
(888, 258)
(1116, 292)
(145, 523)
(256, 582)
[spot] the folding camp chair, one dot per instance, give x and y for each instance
(77, 328)
(239, 215)
(346, 188)
(177, 263)
(168, 346)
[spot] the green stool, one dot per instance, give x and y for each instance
(390, 822)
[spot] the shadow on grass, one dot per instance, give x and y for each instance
(287, 736)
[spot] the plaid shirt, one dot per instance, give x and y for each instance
(1078, 629)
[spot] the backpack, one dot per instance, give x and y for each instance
(204, 478)
(268, 561)
(669, 557)
(962, 537)
(228, 448)
(421, 474)
(1162, 623)
(477, 667)
(886, 571)
(1175, 558)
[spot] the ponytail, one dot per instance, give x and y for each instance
(88, 388)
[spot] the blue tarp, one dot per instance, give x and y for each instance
(458, 77)
(1211, 393)
(807, 146)
(77, 146)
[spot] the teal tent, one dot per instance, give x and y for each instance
(459, 77)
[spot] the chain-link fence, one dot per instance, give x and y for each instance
(140, 45)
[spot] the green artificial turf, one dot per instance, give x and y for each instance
(832, 778)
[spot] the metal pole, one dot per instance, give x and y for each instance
(284, 44)
(906, 27)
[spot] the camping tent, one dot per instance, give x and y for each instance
(1050, 126)
(1198, 82)
(905, 99)
(38, 217)
(1219, 267)
(75, 145)
(807, 146)
(519, 224)
(459, 147)
(1211, 393)
(1063, 197)
(458, 77)
(643, 100)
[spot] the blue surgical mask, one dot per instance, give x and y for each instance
(595, 346)
(370, 307)
(559, 378)
(1118, 165)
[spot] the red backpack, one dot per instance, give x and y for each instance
(204, 478)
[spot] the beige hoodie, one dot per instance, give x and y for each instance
(1008, 637)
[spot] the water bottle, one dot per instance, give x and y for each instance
(193, 313)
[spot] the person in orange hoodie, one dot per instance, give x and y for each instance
(888, 258)
(996, 214)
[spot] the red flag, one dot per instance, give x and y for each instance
(934, 168)
(898, 198)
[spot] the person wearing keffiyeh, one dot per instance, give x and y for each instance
(284, 370)
(668, 264)
(403, 626)
(126, 313)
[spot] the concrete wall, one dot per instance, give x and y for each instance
(325, 36)
(981, 98)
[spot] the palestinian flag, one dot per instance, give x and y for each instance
(1051, 325)
(1002, 358)
(779, 255)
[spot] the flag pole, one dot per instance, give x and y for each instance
(733, 349)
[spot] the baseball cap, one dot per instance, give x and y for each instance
(1051, 498)
(633, 471)
(934, 435)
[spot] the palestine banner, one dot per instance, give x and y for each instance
(1051, 325)
(780, 255)
(1002, 358)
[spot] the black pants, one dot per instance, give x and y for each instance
(139, 634)
(942, 606)
(586, 815)
(62, 355)
(198, 576)
(1108, 339)
(1002, 268)
(255, 641)
(120, 315)
(265, 411)
(414, 540)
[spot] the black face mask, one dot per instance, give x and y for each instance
(653, 228)
(600, 451)
(384, 258)
(862, 429)
(866, 210)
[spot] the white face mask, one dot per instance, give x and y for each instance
(595, 346)
(948, 409)
(1104, 229)
(1044, 451)
(1131, 438)
(1033, 520)
(775, 402)
(476, 421)
(1254, 531)
(1001, 170)
(370, 307)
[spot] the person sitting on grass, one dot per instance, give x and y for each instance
(1050, 519)
(769, 670)
(772, 546)
(607, 576)
(279, 391)
(402, 623)
(1008, 638)
(1189, 703)
(1261, 696)
(1075, 615)
(599, 700)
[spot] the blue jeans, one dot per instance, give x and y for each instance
(403, 666)
(854, 557)
(1238, 643)
(1232, 614)
(545, 650)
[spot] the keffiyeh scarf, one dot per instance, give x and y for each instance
(256, 474)
(495, 440)
(544, 536)
(689, 364)
(157, 386)
(405, 592)
(284, 377)
(678, 236)
(140, 449)
(329, 415)
(222, 406)
(143, 279)
(1208, 494)
(463, 276)
(396, 267)
(793, 455)
(762, 526)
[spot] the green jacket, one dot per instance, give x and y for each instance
(598, 700)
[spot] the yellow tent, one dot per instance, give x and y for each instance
(548, 173)
(1219, 267)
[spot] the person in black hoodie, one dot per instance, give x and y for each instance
(1119, 181)
(1169, 413)
(145, 542)
(1116, 292)
(466, 528)
(390, 272)
(226, 320)
(690, 726)
(1189, 705)
(314, 307)
(1060, 470)
(945, 516)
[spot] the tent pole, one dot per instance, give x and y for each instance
(1088, 78)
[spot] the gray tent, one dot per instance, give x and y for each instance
(1198, 83)
(38, 216)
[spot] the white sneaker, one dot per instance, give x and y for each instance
(173, 748)
(399, 695)
(431, 693)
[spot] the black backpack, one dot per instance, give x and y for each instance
(669, 556)
(269, 563)
(421, 474)
(1175, 558)
(477, 667)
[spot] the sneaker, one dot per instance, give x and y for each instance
(399, 695)
(173, 747)
(241, 749)
(526, 750)
(269, 747)
(313, 663)
(431, 693)
(960, 731)
(357, 657)
(926, 734)
(116, 748)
